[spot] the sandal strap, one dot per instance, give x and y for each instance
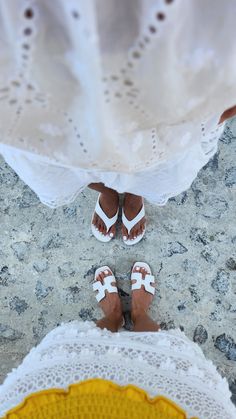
(106, 286)
(129, 224)
(109, 222)
(146, 282)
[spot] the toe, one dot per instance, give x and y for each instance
(99, 277)
(143, 225)
(124, 232)
(100, 226)
(112, 231)
(103, 230)
(135, 269)
(138, 231)
(102, 276)
(107, 272)
(94, 220)
(135, 232)
(132, 234)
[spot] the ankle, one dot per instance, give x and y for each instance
(131, 197)
(137, 314)
(109, 197)
(109, 193)
(106, 323)
(115, 314)
(112, 320)
(109, 202)
(133, 201)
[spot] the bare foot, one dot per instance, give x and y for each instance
(132, 206)
(141, 301)
(109, 202)
(111, 307)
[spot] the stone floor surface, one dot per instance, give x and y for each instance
(48, 258)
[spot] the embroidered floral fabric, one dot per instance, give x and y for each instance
(113, 92)
(161, 363)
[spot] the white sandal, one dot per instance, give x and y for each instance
(106, 286)
(130, 224)
(146, 282)
(109, 222)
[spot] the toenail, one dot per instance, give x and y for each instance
(111, 234)
(124, 238)
(137, 268)
(106, 272)
(96, 228)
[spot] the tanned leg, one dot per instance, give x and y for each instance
(111, 307)
(141, 301)
(109, 202)
(131, 206)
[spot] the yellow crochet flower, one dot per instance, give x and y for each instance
(96, 399)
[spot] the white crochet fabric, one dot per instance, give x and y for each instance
(127, 93)
(164, 363)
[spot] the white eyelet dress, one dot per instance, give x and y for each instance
(161, 363)
(126, 93)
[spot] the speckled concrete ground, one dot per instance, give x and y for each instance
(47, 260)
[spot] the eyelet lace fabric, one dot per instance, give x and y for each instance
(56, 185)
(161, 363)
(113, 93)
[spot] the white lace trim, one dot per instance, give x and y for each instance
(57, 185)
(164, 363)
